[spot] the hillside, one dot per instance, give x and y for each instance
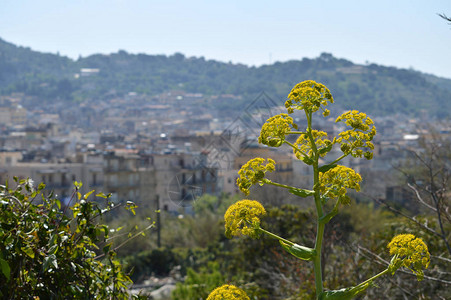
(375, 88)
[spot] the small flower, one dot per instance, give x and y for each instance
(410, 252)
(243, 218)
(274, 130)
(309, 96)
(253, 172)
(323, 145)
(357, 139)
(227, 292)
(335, 182)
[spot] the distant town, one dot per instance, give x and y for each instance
(167, 150)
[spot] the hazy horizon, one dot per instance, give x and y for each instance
(402, 34)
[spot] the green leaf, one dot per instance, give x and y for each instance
(326, 168)
(85, 196)
(49, 261)
(53, 249)
(28, 251)
(41, 186)
(343, 294)
(301, 192)
(300, 252)
(78, 185)
(325, 149)
(307, 160)
(131, 207)
(6, 270)
(107, 248)
(102, 195)
(52, 240)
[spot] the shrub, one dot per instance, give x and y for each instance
(53, 252)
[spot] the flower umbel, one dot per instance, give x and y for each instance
(410, 252)
(274, 130)
(253, 172)
(243, 218)
(309, 96)
(323, 145)
(353, 141)
(227, 292)
(335, 182)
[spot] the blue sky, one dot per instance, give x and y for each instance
(405, 34)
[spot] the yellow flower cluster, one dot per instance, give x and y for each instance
(323, 145)
(355, 140)
(227, 292)
(309, 96)
(410, 252)
(253, 172)
(274, 130)
(356, 119)
(335, 182)
(243, 218)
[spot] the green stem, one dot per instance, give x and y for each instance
(317, 259)
(276, 236)
(309, 133)
(267, 181)
(327, 217)
(296, 132)
(338, 159)
(296, 148)
(362, 285)
(319, 210)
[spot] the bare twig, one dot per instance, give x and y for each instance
(389, 207)
(420, 199)
(443, 16)
(382, 261)
(442, 258)
(126, 241)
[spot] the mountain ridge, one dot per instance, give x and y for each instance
(376, 88)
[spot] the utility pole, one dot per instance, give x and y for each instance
(158, 222)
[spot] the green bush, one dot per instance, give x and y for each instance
(50, 252)
(158, 262)
(199, 284)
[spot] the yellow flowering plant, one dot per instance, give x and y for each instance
(354, 141)
(275, 129)
(243, 218)
(331, 182)
(410, 252)
(227, 292)
(254, 172)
